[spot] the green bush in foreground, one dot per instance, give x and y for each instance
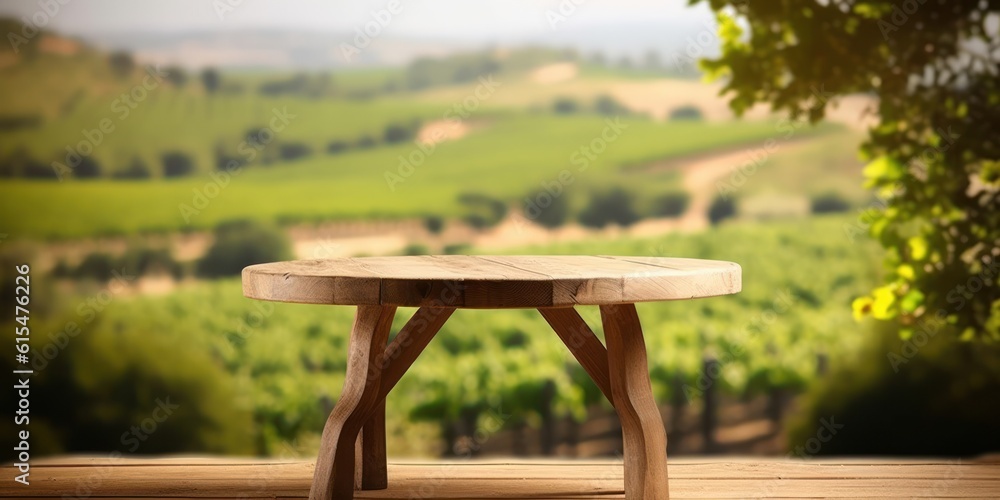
(925, 396)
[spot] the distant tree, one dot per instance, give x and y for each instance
(242, 243)
(547, 209)
(366, 142)
(337, 146)
(671, 204)
(395, 132)
(686, 112)
(434, 224)
(136, 169)
(722, 208)
(482, 211)
(97, 266)
(289, 151)
(210, 80)
(176, 76)
(565, 106)
(608, 106)
(177, 164)
(613, 206)
(88, 168)
(416, 249)
(829, 203)
(122, 64)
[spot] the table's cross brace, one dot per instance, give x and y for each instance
(581, 341)
(372, 371)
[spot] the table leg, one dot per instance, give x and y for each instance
(334, 476)
(374, 470)
(645, 439)
(372, 371)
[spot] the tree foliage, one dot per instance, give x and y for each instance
(932, 66)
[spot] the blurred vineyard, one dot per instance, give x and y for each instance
(282, 365)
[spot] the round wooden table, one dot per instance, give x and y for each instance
(438, 285)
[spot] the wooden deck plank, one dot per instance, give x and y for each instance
(205, 477)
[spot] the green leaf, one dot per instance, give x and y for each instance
(911, 301)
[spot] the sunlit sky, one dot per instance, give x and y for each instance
(475, 19)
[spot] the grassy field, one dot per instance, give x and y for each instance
(508, 157)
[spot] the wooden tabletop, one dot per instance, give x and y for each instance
(490, 282)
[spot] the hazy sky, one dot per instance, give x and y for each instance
(438, 18)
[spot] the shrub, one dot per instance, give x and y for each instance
(34, 169)
(434, 223)
(893, 390)
(211, 80)
(177, 164)
(258, 137)
(722, 208)
(337, 146)
(87, 168)
(242, 243)
(671, 204)
(565, 106)
(416, 249)
(143, 260)
(62, 269)
(457, 249)
(366, 142)
(121, 63)
(482, 211)
(293, 151)
(688, 112)
(395, 132)
(829, 203)
(614, 206)
(547, 209)
(97, 266)
(136, 169)
(607, 105)
(130, 374)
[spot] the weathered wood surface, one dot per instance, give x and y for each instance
(101, 478)
(490, 281)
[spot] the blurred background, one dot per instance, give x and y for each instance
(151, 150)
